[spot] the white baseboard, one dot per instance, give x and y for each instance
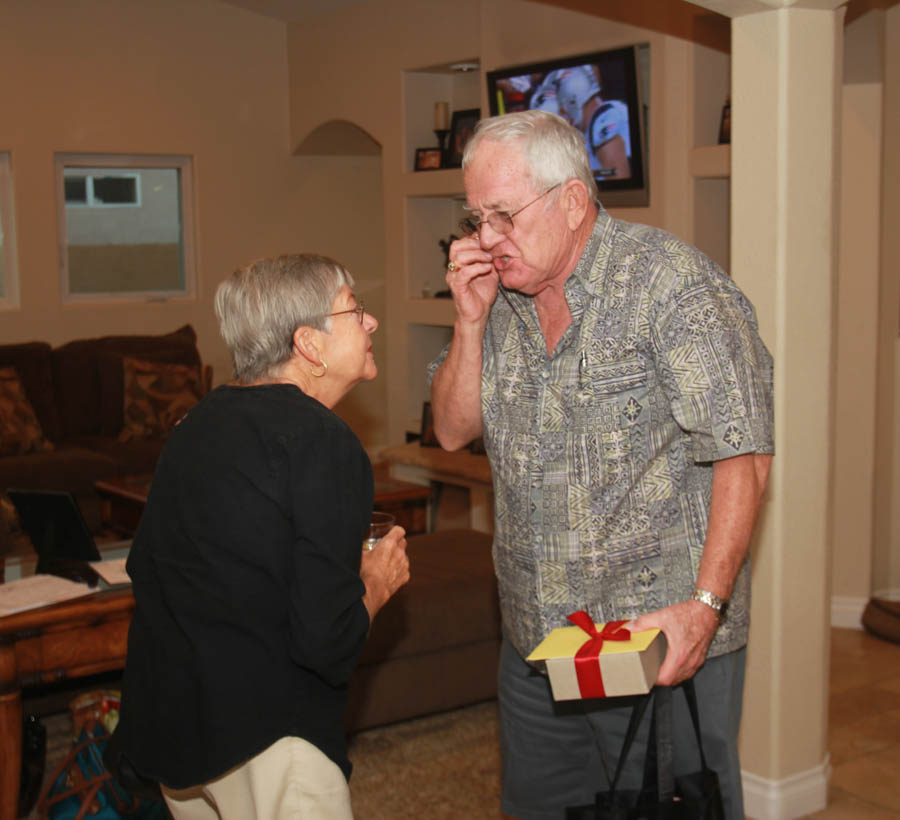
(795, 796)
(847, 612)
(887, 594)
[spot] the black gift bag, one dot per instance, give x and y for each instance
(662, 796)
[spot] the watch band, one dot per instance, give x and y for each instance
(712, 601)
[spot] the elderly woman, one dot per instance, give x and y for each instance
(253, 596)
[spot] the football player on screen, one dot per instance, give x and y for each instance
(604, 123)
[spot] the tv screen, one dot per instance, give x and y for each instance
(600, 94)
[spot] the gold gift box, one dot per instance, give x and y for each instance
(628, 667)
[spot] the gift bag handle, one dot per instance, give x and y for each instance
(659, 763)
(637, 714)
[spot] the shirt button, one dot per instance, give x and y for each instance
(545, 373)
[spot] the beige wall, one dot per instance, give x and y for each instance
(193, 77)
(886, 552)
(856, 343)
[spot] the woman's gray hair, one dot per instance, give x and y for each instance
(261, 305)
(554, 151)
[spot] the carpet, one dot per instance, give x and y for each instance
(441, 767)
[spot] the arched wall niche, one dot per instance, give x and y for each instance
(344, 210)
(339, 138)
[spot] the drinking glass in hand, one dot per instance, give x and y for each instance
(379, 526)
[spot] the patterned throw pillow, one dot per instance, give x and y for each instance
(20, 430)
(157, 395)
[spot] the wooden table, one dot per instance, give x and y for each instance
(425, 465)
(81, 637)
(126, 497)
(124, 501)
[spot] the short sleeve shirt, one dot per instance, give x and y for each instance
(601, 452)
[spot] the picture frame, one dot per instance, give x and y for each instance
(427, 437)
(462, 126)
(725, 124)
(428, 159)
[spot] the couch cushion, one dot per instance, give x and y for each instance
(157, 395)
(451, 598)
(85, 376)
(33, 363)
(20, 430)
(112, 384)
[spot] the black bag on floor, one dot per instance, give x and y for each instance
(34, 755)
(662, 796)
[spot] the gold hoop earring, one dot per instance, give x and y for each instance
(323, 371)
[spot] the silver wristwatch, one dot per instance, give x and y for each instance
(712, 601)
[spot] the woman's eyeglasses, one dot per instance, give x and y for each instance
(500, 221)
(359, 310)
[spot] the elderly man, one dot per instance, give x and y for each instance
(625, 400)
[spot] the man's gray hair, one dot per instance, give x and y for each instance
(554, 151)
(261, 305)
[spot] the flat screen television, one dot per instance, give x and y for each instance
(601, 94)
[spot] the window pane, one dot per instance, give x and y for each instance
(76, 189)
(124, 231)
(117, 190)
(7, 237)
(3, 273)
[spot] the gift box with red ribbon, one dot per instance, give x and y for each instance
(600, 660)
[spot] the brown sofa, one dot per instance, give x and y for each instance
(435, 645)
(76, 391)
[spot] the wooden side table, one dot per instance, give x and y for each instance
(72, 639)
(125, 499)
(424, 465)
(408, 503)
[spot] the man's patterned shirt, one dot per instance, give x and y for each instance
(601, 453)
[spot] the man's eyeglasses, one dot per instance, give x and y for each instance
(359, 310)
(500, 221)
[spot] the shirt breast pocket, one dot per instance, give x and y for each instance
(612, 386)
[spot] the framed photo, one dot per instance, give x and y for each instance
(428, 159)
(428, 438)
(725, 124)
(462, 126)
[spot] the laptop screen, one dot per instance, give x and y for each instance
(54, 524)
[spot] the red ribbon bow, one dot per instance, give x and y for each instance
(587, 661)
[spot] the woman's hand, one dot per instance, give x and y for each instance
(384, 569)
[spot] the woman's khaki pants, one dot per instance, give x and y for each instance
(292, 778)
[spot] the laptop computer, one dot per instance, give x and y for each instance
(58, 533)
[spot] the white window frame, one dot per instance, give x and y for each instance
(10, 298)
(91, 200)
(125, 161)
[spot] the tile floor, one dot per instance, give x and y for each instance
(864, 728)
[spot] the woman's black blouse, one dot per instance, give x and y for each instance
(249, 617)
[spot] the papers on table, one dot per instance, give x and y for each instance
(37, 591)
(112, 571)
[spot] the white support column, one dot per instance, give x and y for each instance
(785, 139)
